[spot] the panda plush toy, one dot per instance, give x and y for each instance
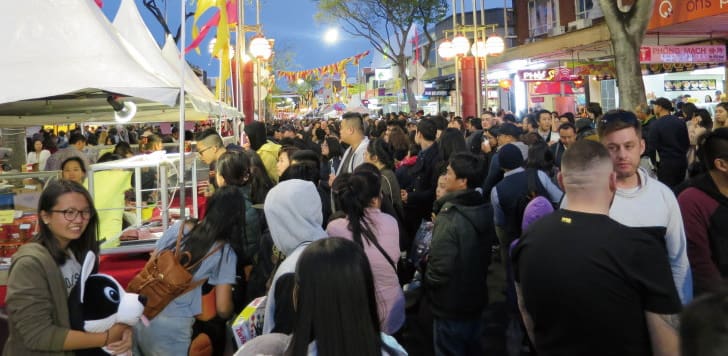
(98, 301)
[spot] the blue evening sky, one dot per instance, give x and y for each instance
(290, 22)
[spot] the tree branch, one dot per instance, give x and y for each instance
(151, 5)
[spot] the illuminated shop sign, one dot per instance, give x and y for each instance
(683, 54)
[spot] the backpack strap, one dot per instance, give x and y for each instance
(532, 176)
(194, 285)
(217, 248)
(386, 256)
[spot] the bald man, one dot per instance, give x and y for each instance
(581, 290)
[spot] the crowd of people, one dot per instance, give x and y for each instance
(605, 228)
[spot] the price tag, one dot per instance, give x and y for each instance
(7, 216)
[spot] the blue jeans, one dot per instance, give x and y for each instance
(456, 337)
(164, 336)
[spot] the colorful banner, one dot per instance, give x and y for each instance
(231, 12)
(672, 12)
(683, 54)
(338, 68)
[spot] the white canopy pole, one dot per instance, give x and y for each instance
(181, 124)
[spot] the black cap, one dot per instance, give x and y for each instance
(665, 103)
(510, 156)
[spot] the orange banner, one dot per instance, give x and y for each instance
(673, 12)
(338, 68)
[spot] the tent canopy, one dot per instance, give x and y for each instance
(166, 63)
(63, 46)
(61, 70)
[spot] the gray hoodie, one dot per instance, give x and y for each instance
(293, 212)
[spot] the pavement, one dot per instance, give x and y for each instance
(498, 338)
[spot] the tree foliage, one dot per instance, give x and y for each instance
(627, 27)
(386, 24)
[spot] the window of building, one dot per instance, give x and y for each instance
(588, 9)
(542, 16)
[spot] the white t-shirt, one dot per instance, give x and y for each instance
(71, 271)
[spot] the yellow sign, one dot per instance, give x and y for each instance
(7, 216)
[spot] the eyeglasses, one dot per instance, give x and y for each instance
(72, 214)
(200, 152)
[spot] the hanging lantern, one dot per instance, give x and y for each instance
(445, 50)
(260, 47)
(460, 45)
(494, 45)
(478, 49)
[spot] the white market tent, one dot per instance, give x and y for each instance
(167, 63)
(63, 57)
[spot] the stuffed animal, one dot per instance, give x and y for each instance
(103, 303)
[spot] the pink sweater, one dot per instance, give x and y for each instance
(390, 298)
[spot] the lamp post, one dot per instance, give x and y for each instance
(260, 49)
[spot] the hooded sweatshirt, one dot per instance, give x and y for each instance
(293, 212)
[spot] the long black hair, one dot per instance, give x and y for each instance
(223, 222)
(383, 151)
(234, 168)
(336, 304)
(353, 194)
(79, 247)
(260, 181)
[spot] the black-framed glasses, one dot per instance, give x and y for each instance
(71, 214)
(200, 152)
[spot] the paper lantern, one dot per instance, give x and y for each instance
(260, 47)
(445, 50)
(460, 45)
(478, 49)
(494, 45)
(505, 84)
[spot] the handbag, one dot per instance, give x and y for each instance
(164, 277)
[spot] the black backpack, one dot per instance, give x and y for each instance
(523, 200)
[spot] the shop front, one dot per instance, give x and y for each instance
(694, 73)
(553, 89)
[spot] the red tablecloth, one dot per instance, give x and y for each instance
(121, 267)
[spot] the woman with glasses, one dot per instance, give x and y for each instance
(45, 270)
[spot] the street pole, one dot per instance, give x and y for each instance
(181, 123)
(478, 90)
(456, 59)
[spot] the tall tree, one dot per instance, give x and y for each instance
(627, 25)
(385, 24)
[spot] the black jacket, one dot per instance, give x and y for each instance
(668, 137)
(455, 279)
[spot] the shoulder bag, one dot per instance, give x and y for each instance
(164, 277)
